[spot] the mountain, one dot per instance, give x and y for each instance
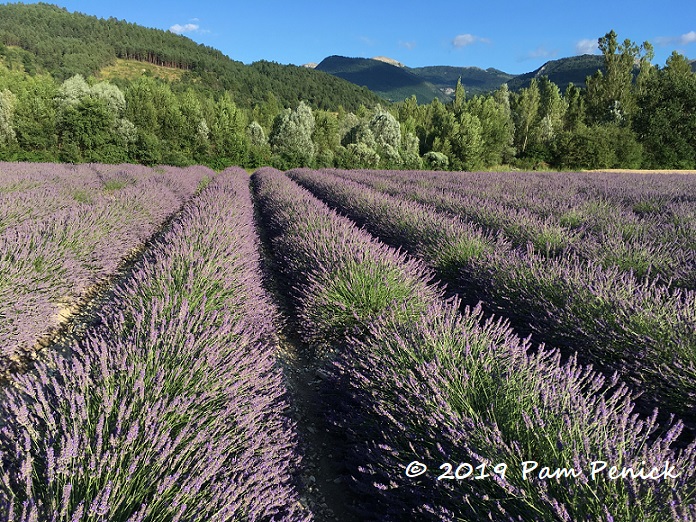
(574, 69)
(47, 38)
(474, 79)
(392, 82)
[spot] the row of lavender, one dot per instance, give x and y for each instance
(639, 223)
(65, 228)
(555, 193)
(415, 384)
(645, 331)
(172, 407)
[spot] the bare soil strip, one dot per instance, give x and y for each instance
(324, 481)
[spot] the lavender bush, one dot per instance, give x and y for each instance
(413, 379)
(171, 407)
(64, 229)
(646, 234)
(643, 330)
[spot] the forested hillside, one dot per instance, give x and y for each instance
(53, 40)
(563, 72)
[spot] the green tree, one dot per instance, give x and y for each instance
(497, 129)
(666, 119)
(325, 137)
(410, 151)
(72, 91)
(112, 96)
(386, 131)
(35, 117)
(610, 95)
(459, 103)
(358, 156)
(439, 125)
(467, 143)
(552, 109)
(195, 133)
(600, 146)
(228, 137)
(436, 161)
(291, 137)
(7, 105)
(259, 153)
(575, 113)
(84, 129)
(525, 110)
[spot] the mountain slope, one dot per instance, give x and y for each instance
(392, 82)
(66, 44)
(398, 82)
(574, 69)
(474, 80)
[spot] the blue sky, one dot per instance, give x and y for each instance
(513, 36)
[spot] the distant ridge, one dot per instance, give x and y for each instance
(388, 60)
(392, 82)
(474, 79)
(562, 72)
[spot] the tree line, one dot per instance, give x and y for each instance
(632, 115)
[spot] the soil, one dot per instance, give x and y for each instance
(323, 479)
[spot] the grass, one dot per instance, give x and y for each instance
(133, 69)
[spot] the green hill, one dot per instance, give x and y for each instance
(398, 83)
(391, 82)
(42, 37)
(474, 79)
(574, 69)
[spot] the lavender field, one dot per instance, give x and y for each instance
(180, 344)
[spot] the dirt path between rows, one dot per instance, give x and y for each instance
(323, 479)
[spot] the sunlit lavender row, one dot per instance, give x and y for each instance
(414, 379)
(65, 228)
(644, 224)
(171, 407)
(645, 331)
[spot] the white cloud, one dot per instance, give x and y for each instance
(541, 52)
(408, 45)
(684, 39)
(688, 38)
(586, 46)
(464, 40)
(186, 28)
